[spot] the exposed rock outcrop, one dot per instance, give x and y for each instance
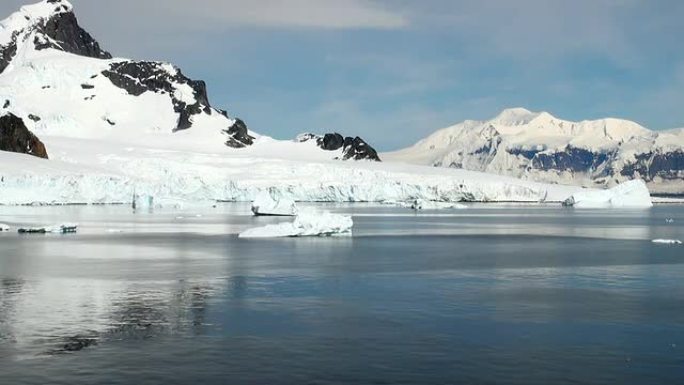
(352, 148)
(64, 33)
(15, 137)
(138, 77)
(238, 135)
(59, 31)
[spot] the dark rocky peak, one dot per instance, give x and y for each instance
(48, 24)
(64, 33)
(352, 148)
(138, 77)
(238, 135)
(16, 137)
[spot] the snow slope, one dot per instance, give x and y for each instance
(539, 146)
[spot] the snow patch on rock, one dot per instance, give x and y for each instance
(29, 16)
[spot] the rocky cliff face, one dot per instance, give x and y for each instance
(138, 77)
(53, 25)
(15, 137)
(238, 135)
(351, 148)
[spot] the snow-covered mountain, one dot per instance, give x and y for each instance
(80, 126)
(56, 77)
(541, 147)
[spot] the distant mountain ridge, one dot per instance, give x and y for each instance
(541, 147)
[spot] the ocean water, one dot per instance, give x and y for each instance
(491, 294)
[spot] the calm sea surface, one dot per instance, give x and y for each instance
(487, 295)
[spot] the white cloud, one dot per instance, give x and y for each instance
(333, 14)
(220, 14)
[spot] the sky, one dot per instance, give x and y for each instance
(394, 71)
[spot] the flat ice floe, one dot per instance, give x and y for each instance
(632, 194)
(272, 204)
(308, 224)
(668, 241)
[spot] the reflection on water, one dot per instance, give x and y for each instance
(485, 295)
(59, 315)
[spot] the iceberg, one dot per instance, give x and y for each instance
(66, 228)
(268, 203)
(4, 228)
(668, 241)
(632, 194)
(308, 224)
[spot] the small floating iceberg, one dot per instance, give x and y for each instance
(65, 228)
(667, 241)
(4, 228)
(632, 194)
(270, 204)
(308, 224)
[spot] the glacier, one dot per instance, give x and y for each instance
(110, 173)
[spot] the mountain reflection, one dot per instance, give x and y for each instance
(37, 321)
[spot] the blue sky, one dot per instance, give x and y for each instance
(395, 71)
